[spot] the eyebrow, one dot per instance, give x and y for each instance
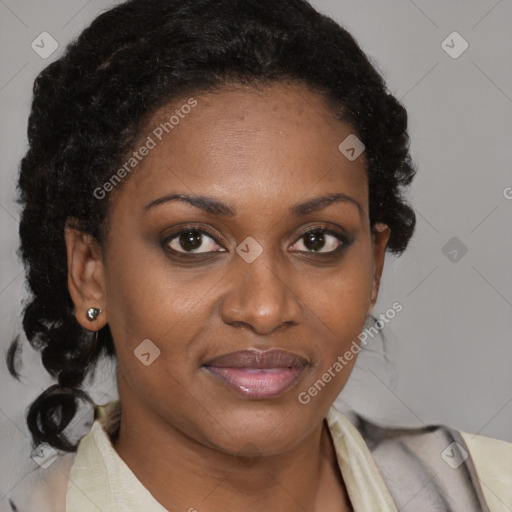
(319, 203)
(216, 207)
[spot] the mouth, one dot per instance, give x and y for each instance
(257, 375)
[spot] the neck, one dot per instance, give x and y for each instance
(184, 474)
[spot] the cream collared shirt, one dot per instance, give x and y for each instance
(100, 480)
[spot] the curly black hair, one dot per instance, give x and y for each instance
(88, 109)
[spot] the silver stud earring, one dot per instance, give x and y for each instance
(92, 314)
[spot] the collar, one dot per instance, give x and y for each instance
(101, 480)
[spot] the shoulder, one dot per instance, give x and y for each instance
(437, 464)
(44, 489)
(493, 462)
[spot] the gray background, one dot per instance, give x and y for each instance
(450, 348)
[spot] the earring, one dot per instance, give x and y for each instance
(92, 313)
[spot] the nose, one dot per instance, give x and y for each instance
(261, 296)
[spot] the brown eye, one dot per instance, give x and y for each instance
(192, 241)
(317, 240)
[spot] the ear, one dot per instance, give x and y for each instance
(380, 237)
(86, 276)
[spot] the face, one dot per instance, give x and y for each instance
(247, 293)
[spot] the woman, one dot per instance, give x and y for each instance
(209, 194)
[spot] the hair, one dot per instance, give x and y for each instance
(88, 109)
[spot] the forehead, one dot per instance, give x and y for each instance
(270, 142)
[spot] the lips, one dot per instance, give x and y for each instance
(257, 375)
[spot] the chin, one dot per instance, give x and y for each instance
(259, 428)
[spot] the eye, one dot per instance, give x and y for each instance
(321, 241)
(192, 241)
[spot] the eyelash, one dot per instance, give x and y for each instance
(344, 242)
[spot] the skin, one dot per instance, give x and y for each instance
(189, 439)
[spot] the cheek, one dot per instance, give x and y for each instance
(144, 297)
(344, 297)
(148, 300)
(340, 305)
(152, 320)
(340, 308)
